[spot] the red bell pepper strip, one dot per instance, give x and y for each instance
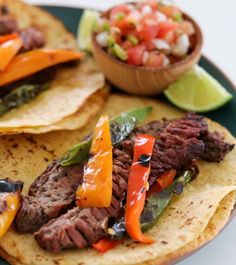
(163, 182)
(28, 63)
(96, 188)
(8, 37)
(106, 244)
(166, 179)
(137, 186)
(8, 50)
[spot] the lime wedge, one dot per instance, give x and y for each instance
(197, 91)
(86, 24)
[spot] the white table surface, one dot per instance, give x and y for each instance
(218, 21)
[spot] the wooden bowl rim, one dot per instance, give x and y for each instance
(191, 56)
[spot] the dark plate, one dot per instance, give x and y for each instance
(225, 115)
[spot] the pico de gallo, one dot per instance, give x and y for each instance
(153, 33)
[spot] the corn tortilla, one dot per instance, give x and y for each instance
(190, 221)
(69, 90)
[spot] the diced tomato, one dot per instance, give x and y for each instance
(165, 27)
(170, 37)
(169, 11)
(153, 4)
(148, 32)
(120, 8)
(123, 25)
(149, 19)
(126, 45)
(155, 60)
(135, 55)
(187, 27)
(150, 46)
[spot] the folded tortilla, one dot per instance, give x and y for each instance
(190, 221)
(71, 87)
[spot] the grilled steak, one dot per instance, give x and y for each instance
(82, 227)
(7, 25)
(179, 144)
(32, 39)
(49, 195)
(215, 147)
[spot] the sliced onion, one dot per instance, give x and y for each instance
(146, 10)
(182, 45)
(161, 44)
(101, 38)
(145, 57)
(160, 17)
(166, 61)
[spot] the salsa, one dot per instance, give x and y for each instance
(153, 33)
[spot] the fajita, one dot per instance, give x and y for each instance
(44, 95)
(197, 212)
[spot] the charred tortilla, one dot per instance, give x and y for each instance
(190, 221)
(70, 88)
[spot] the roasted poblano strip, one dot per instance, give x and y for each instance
(154, 206)
(157, 202)
(20, 95)
(121, 126)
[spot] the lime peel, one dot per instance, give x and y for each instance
(197, 91)
(87, 22)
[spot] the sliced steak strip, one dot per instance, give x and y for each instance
(49, 195)
(86, 226)
(215, 147)
(8, 25)
(178, 145)
(32, 39)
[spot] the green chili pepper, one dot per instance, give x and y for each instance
(178, 17)
(132, 39)
(110, 41)
(154, 206)
(121, 126)
(157, 202)
(120, 52)
(120, 16)
(20, 96)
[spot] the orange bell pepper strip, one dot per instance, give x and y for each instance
(8, 37)
(106, 244)
(7, 216)
(96, 188)
(8, 50)
(28, 63)
(137, 186)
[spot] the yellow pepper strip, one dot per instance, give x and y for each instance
(28, 63)
(8, 50)
(7, 215)
(96, 188)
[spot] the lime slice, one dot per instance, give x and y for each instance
(87, 22)
(197, 91)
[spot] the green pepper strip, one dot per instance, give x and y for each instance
(21, 95)
(157, 202)
(121, 126)
(154, 207)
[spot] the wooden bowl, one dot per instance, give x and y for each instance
(144, 80)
